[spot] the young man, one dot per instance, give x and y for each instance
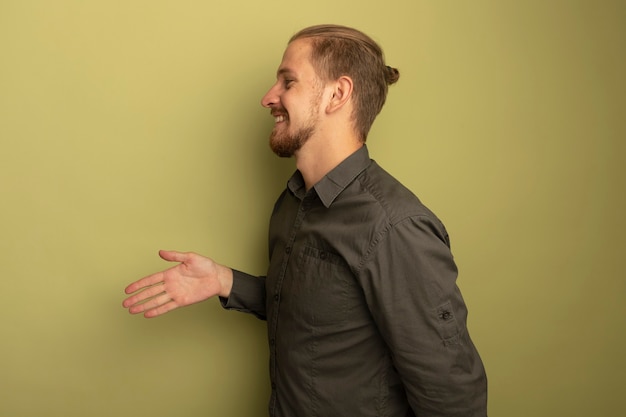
(364, 316)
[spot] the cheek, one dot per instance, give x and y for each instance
(286, 101)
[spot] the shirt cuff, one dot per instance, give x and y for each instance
(247, 294)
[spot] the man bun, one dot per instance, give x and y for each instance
(392, 75)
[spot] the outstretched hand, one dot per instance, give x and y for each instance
(196, 278)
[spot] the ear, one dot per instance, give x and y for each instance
(341, 93)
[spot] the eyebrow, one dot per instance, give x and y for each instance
(284, 71)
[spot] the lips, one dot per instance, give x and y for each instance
(279, 117)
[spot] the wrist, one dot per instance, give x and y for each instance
(225, 278)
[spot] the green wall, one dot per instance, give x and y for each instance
(132, 126)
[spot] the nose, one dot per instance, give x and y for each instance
(270, 99)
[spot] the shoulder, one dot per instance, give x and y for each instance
(393, 197)
(397, 205)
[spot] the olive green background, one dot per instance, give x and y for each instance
(132, 126)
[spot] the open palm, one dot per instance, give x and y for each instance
(194, 279)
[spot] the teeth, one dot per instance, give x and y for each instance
(279, 119)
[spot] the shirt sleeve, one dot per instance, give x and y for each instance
(409, 280)
(247, 295)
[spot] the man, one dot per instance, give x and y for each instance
(364, 316)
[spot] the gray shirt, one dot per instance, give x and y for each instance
(363, 312)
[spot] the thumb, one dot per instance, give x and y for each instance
(173, 256)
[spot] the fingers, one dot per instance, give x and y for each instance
(162, 309)
(144, 282)
(143, 295)
(151, 298)
(171, 256)
(155, 306)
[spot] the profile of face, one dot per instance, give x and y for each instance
(294, 100)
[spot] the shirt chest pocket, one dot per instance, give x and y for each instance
(324, 289)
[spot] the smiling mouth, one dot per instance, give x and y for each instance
(279, 117)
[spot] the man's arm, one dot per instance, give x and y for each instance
(410, 285)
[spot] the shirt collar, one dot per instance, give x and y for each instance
(333, 183)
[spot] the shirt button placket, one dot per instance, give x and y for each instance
(304, 205)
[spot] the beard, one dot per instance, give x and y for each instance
(287, 144)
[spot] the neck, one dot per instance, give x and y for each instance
(317, 158)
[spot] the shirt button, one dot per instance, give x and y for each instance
(288, 250)
(276, 297)
(445, 315)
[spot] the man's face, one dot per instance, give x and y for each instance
(294, 100)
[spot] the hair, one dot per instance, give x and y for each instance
(342, 51)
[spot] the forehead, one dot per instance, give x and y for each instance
(297, 58)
